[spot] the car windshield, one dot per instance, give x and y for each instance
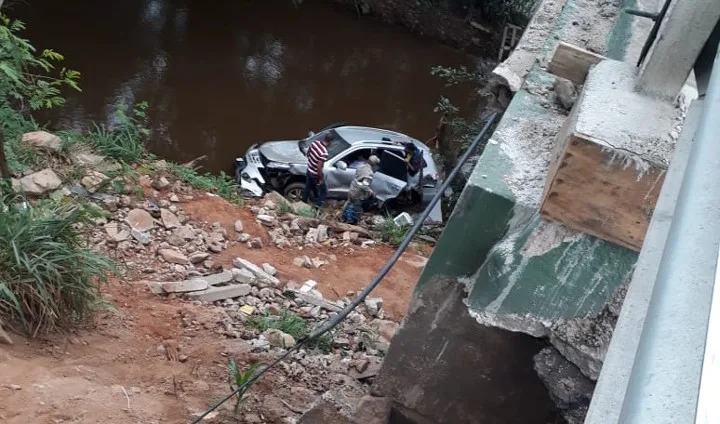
(337, 146)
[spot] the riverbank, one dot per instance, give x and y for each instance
(160, 352)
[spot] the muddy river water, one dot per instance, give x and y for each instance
(221, 75)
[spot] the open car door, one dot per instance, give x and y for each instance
(391, 178)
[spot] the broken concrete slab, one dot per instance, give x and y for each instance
(213, 294)
(243, 276)
(173, 256)
(372, 410)
(568, 387)
(317, 301)
(218, 279)
(256, 271)
(185, 286)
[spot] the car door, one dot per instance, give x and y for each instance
(391, 177)
(338, 180)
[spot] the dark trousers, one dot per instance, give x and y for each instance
(312, 185)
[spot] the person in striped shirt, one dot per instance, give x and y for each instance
(317, 155)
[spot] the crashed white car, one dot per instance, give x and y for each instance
(282, 165)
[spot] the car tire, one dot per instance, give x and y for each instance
(294, 191)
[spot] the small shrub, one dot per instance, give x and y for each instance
(308, 212)
(238, 378)
(48, 277)
(284, 208)
(287, 322)
(392, 233)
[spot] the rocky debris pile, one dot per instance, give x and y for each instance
(266, 316)
(288, 226)
(156, 237)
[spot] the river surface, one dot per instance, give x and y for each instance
(222, 75)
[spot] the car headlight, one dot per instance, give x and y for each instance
(277, 165)
(253, 157)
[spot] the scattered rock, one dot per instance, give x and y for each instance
(140, 220)
(565, 93)
(303, 261)
(142, 237)
(43, 140)
(279, 339)
(238, 226)
(244, 237)
(322, 233)
(173, 256)
(115, 233)
(38, 183)
(373, 305)
(93, 180)
(215, 247)
(311, 236)
(269, 269)
(198, 257)
(174, 198)
(385, 328)
(266, 220)
(14, 387)
(373, 410)
(256, 243)
(161, 183)
(185, 232)
(169, 220)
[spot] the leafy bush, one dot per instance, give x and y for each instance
(48, 278)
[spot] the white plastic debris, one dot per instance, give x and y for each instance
(404, 219)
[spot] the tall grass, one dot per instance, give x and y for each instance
(19, 156)
(124, 141)
(48, 277)
(222, 184)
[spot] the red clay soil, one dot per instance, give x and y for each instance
(352, 269)
(139, 364)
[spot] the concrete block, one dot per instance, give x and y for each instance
(616, 144)
(220, 278)
(185, 286)
(220, 293)
(256, 271)
(243, 276)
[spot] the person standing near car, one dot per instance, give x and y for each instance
(316, 156)
(415, 164)
(360, 195)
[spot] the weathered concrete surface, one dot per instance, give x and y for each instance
(614, 378)
(568, 387)
(677, 46)
(447, 368)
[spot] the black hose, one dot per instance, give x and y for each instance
(337, 319)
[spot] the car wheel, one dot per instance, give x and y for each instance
(294, 191)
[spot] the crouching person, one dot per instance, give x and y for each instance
(360, 195)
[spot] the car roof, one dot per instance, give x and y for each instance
(354, 134)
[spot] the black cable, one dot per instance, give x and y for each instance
(337, 319)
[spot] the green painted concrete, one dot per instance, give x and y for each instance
(484, 241)
(619, 38)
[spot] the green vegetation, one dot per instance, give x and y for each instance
(291, 324)
(48, 278)
(237, 379)
(286, 321)
(222, 184)
(392, 233)
(284, 208)
(28, 81)
(126, 141)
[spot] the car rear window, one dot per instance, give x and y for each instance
(337, 146)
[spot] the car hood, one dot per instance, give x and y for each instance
(283, 151)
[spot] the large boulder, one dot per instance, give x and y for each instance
(43, 140)
(38, 183)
